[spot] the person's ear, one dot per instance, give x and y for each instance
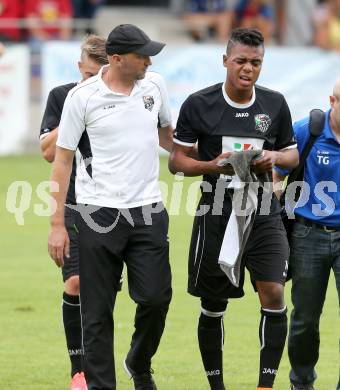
(117, 59)
(225, 60)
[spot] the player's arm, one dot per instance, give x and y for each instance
(165, 129)
(184, 156)
(58, 240)
(278, 182)
(165, 135)
(71, 127)
(181, 161)
(50, 122)
(47, 145)
(287, 158)
(166, 138)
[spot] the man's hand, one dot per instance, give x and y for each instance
(222, 167)
(265, 163)
(58, 241)
(47, 145)
(181, 161)
(58, 244)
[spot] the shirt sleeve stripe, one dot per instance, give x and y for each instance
(176, 141)
(165, 124)
(44, 135)
(61, 145)
(294, 146)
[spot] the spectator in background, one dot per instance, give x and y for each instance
(48, 19)
(327, 25)
(281, 20)
(202, 16)
(86, 9)
(9, 9)
(258, 14)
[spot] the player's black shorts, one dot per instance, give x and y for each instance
(71, 264)
(265, 256)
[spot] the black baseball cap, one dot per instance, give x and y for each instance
(127, 38)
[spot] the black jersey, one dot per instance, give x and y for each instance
(219, 125)
(51, 120)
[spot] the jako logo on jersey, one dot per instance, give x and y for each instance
(109, 106)
(262, 122)
(213, 373)
(148, 102)
(269, 371)
(241, 147)
(75, 352)
(286, 268)
(242, 115)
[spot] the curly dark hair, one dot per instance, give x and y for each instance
(245, 36)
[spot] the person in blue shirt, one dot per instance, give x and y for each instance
(315, 243)
(204, 17)
(258, 14)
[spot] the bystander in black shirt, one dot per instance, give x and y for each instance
(51, 120)
(220, 125)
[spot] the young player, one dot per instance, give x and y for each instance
(223, 118)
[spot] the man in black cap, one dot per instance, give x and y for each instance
(127, 38)
(92, 58)
(117, 119)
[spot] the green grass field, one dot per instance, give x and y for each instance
(32, 346)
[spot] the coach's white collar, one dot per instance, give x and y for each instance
(105, 89)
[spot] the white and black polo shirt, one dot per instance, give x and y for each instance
(117, 136)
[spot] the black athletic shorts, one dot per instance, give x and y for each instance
(71, 264)
(265, 256)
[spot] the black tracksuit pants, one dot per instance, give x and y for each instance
(107, 238)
